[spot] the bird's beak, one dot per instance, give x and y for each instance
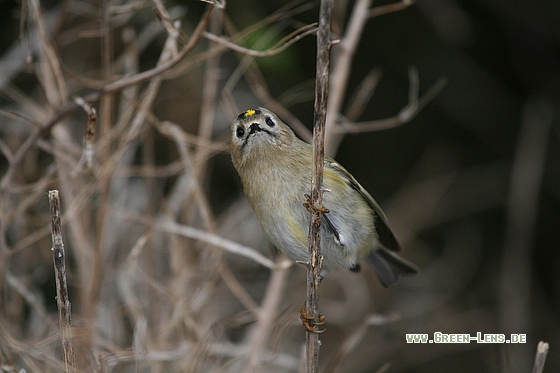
(254, 128)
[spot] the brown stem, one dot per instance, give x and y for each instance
(315, 258)
(63, 303)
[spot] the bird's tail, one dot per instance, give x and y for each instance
(389, 266)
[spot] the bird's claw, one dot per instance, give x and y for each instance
(311, 323)
(309, 206)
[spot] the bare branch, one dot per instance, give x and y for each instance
(64, 308)
(209, 100)
(526, 179)
(390, 8)
(540, 357)
(363, 94)
(282, 45)
(320, 115)
(87, 155)
(213, 239)
(407, 113)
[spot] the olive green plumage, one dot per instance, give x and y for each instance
(275, 170)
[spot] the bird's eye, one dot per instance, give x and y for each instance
(269, 122)
(240, 132)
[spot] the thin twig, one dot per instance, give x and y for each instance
(209, 95)
(315, 259)
(390, 8)
(87, 155)
(208, 237)
(282, 45)
(405, 115)
(64, 308)
(19, 116)
(363, 94)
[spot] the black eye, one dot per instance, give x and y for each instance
(269, 122)
(240, 132)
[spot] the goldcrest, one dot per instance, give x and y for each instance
(275, 170)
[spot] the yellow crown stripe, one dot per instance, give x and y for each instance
(249, 113)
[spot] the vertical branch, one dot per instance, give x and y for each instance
(87, 154)
(93, 290)
(540, 357)
(341, 69)
(209, 94)
(525, 185)
(64, 312)
(320, 114)
(267, 315)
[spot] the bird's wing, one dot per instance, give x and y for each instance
(386, 236)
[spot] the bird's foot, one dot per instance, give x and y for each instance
(311, 324)
(309, 206)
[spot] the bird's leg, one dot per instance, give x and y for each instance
(311, 323)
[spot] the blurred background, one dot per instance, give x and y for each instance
(446, 111)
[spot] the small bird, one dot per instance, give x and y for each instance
(275, 170)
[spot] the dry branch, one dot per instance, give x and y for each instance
(208, 237)
(282, 45)
(540, 357)
(406, 114)
(87, 155)
(525, 185)
(63, 303)
(390, 8)
(315, 259)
